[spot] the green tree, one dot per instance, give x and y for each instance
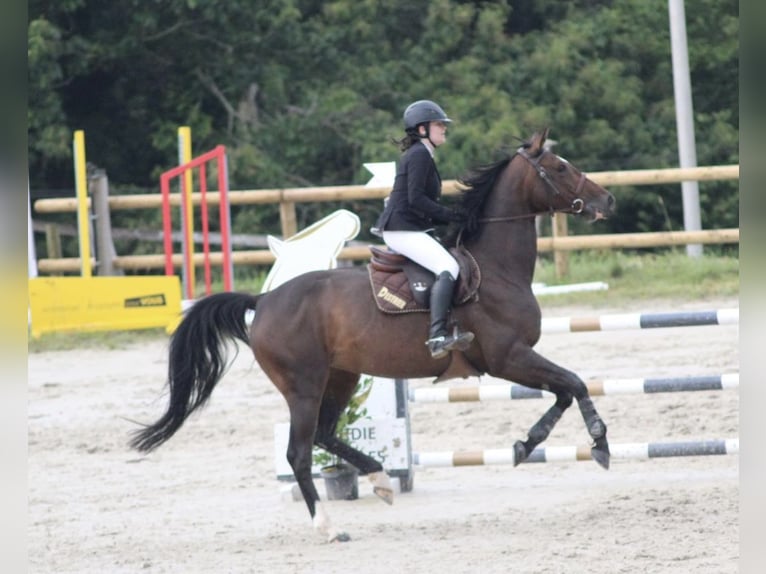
(303, 92)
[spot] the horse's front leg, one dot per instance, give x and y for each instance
(596, 428)
(525, 366)
(541, 429)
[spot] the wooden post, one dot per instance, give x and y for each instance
(288, 219)
(105, 252)
(560, 258)
(53, 241)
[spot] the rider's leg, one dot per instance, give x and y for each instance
(440, 340)
(426, 251)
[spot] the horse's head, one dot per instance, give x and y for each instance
(534, 181)
(560, 186)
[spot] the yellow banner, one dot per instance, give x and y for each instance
(103, 303)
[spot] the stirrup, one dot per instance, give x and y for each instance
(437, 346)
(459, 341)
(441, 345)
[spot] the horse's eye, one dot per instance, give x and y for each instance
(561, 167)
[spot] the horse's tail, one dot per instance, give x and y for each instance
(197, 361)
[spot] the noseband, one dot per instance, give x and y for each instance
(577, 204)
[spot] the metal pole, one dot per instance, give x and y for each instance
(687, 154)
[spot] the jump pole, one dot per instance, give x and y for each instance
(83, 216)
(627, 321)
(623, 451)
(596, 387)
(188, 273)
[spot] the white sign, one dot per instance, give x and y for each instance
(311, 249)
(385, 440)
(383, 174)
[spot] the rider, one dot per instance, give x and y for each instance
(413, 208)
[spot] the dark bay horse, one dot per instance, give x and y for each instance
(314, 335)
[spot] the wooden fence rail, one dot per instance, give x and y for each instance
(289, 196)
(362, 252)
(347, 192)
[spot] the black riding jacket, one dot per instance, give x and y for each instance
(414, 202)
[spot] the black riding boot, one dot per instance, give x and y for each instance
(440, 341)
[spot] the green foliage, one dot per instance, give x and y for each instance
(45, 115)
(303, 92)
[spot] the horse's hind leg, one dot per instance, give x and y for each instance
(533, 370)
(304, 409)
(338, 392)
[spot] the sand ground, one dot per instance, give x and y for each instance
(208, 502)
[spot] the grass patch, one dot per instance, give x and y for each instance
(671, 275)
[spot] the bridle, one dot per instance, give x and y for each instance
(577, 204)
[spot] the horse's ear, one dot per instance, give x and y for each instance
(537, 142)
(544, 136)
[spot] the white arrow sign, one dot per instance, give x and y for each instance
(383, 173)
(314, 248)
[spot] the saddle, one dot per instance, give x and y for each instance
(399, 285)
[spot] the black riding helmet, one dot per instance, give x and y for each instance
(422, 112)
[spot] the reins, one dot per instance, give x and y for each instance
(577, 205)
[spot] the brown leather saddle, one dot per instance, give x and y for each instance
(399, 285)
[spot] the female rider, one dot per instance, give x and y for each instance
(413, 208)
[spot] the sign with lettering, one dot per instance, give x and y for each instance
(88, 304)
(385, 440)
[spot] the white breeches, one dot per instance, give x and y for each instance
(423, 249)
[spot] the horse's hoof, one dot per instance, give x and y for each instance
(340, 537)
(381, 486)
(600, 454)
(385, 494)
(519, 453)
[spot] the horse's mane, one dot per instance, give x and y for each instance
(477, 183)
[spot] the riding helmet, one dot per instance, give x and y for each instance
(423, 111)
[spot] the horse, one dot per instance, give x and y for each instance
(314, 335)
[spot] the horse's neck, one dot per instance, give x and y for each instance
(507, 250)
